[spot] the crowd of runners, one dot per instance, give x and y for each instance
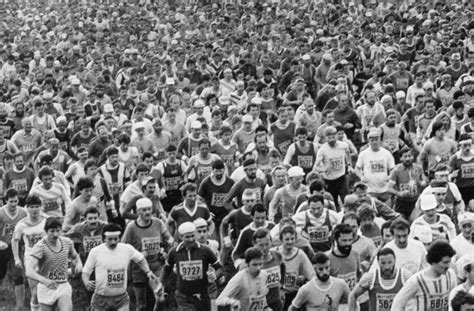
(237, 155)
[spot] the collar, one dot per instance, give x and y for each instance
(17, 170)
(181, 245)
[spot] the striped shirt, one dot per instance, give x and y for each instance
(53, 264)
(429, 293)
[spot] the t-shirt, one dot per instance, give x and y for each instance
(333, 159)
(314, 297)
(411, 258)
(30, 233)
(375, 167)
(346, 268)
(8, 222)
(52, 199)
(111, 267)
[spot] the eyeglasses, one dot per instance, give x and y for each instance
(468, 225)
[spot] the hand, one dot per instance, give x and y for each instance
(455, 173)
(114, 212)
(50, 284)
(90, 286)
(151, 276)
(145, 253)
(235, 304)
(77, 269)
(18, 264)
(348, 125)
(227, 242)
(211, 276)
(365, 265)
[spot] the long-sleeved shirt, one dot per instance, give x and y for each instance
(245, 241)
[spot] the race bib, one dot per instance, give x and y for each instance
(20, 185)
(218, 199)
(116, 278)
(384, 301)
(115, 188)
(257, 303)
(191, 270)
(33, 239)
(8, 230)
(290, 279)
(403, 83)
(467, 170)
(318, 234)
(283, 146)
(349, 278)
(28, 147)
(377, 240)
(60, 276)
(273, 276)
(305, 162)
(172, 183)
(203, 172)
(89, 242)
(438, 302)
(336, 164)
(377, 166)
(49, 206)
(410, 187)
(151, 245)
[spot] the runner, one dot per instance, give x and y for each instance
(19, 177)
(48, 265)
(461, 297)
(382, 284)
(109, 262)
(192, 261)
(147, 235)
(323, 291)
(247, 289)
(432, 286)
(29, 230)
(10, 216)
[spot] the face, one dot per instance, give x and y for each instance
(53, 234)
(113, 159)
(112, 241)
(322, 271)
(367, 222)
(386, 235)
(401, 238)
(442, 266)
(87, 193)
(259, 218)
(47, 180)
(374, 143)
(251, 171)
(19, 163)
(466, 147)
(344, 243)
(218, 173)
(331, 139)
(407, 158)
(353, 223)
(316, 209)
(145, 213)
(387, 265)
(204, 149)
(466, 229)
(92, 219)
(12, 202)
(264, 244)
(191, 197)
(255, 265)
(288, 240)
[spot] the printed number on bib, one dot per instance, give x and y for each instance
(305, 161)
(438, 302)
(273, 276)
(384, 301)
(218, 199)
(33, 239)
(50, 206)
(257, 303)
(349, 278)
(91, 241)
(151, 245)
(115, 278)
(57, 276)
(318, 234)
(191, 270)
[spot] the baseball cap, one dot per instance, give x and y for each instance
(374, 132)
(400, 94)
(139, 125)
(200, 222)
(423, 234)
(199, 103)
(428, 202)
(196, 125)
(466, 217)
(108, 108)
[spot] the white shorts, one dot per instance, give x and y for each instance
(49, 296)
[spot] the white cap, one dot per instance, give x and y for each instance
(247, 118)
(196, 125)
(199, 104)
(374, 132)
(256, 100)
(186, 227)
(428, 202)
(139, 125)
(143, 203)
(306, 57)
(169, 81)
(75, 81)
(108, 108)
(462, 263)
(400, 94)
(423, 234)
(428, 85)
(61, 119)
(200, 222)
(295, 171)
(466, 217)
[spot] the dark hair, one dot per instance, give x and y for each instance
(341, 229)
(385, 225)
(188, 188)
(406, 149)
(204, 141)
(45, 171)
(399, 224)
(171, 148)
(258, 208)
(91, 210)
(260, 234)
(301, 131)
(141, 168)
(147, 155)
(319, 258)
(365, 211)
(46, 158)
(317, 185)
(218, 164)
(436, 126)
(316, 198)
(32, 200)
(84, 183)
(438, 250)
(385, 251)
(52, 223)
(252, 253)
(90, 163)
(11, 193)
(123, 139)
(287, 229)
(111, 151)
